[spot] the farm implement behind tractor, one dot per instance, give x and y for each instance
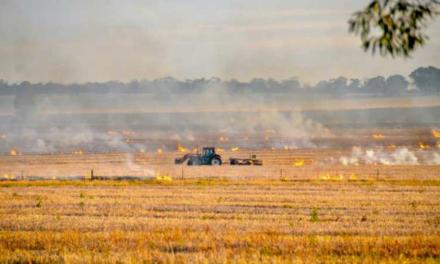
(210, 157)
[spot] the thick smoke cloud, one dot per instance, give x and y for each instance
(147, 115)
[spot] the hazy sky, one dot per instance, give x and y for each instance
(100, 40)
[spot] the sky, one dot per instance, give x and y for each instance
(100, 40)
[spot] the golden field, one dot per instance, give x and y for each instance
(220, 221)
(299, 207)
(314, 164)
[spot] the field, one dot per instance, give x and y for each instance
(352, 193)
(220, 221)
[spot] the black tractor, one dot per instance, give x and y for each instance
(207, 157)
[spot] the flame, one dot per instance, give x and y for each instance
(234, 149)
(14, 152)
(392, 146)
(331, 177)
(159, 151)
(298, 163)
(378, 136)
(286, 147)
(353, 176)
(181, 148)
(223, 139)
(163, 178)
(423, 145)
(7, 176)
(436, 133)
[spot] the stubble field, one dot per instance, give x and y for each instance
(303, 205)
(220, 221)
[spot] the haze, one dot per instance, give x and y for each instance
(82, 41)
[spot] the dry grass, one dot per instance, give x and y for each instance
(220, 221)
(277, 164)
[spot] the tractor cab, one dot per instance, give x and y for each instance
(207, 157)
(208, 152)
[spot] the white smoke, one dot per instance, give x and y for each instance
(400, 156)
(435, 159)
(134, 167)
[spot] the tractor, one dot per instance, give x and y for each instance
(207, 157)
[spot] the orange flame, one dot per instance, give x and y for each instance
(14, 152)
(423, 145)
(181, 148)
(159, 151)
(298, 163)
(378, 136)
(234, 149)
(436, 133)
(392, 146)
(286, 147)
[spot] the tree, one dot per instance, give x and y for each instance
(394, 27)
(396, 85)
(427, 79)
(375, 85)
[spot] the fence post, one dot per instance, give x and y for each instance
(91, 175)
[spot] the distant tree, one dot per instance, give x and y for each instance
(393, 27)
(354, 85)
(334, 87)
(396, 85)
(291, 85)
(375, 85)
(3, 87)
(427, 79)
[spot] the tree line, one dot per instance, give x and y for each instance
(424, 80)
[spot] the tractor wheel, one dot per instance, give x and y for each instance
(216, 162)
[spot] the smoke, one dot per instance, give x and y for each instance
(134, 167)
(142, 116)
(400, 156)
(193, 114)
(435, 159)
